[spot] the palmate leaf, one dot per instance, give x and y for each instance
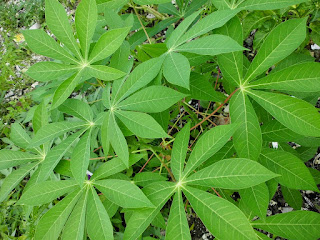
(141, 124)
(78, 109)
(145, 178)
(19, 136)
(207, 145)
(86, 20)
(231, 64)
(223, 219)
(145, 2)
(294, 174)
(297, 115)
(98, 223)
(268, 4)
(303, 77)
(292, 197)
(297, 225)
(280, 43)
(58, 23)
(211, 45)
(247, 139)
(52, 222)
(158, 193)
(152, 99)
(9, 158)
(274, 131)
(177, 227)
(176, 69)
(40, 117)
(104, 72)
(234, 173)
(45, 192)
(123, 193)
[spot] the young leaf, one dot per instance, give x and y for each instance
(86, 20)
(223, 219)
(41, 43)
(118, 140)
(45, 192)
(74, 228)
(151, 99)
(294, 174)
(209, 143)
(11, 181)
(177, 227)
(52, 222)
(58, 23)
(297, 225)
(256, 199)
(231, 64)
(280, 43)
(176, 69)
(179, 151)
(211, 45)
(234, 173)
(80, 158)
(141, 124)
(98, 223)
(108, 43)
(105, 73)
(46, 71)
(78, 109)
(297, 115)
(247, 139)
(303, 77)
(158, 193)
(10, 158)
(123, 193)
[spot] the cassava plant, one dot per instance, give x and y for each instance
(98, 161)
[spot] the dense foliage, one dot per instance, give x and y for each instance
(132, 131)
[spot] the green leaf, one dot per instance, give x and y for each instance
(223, 219)
(151, 99)
(145, 178)
(77, 108)
(208, 144)
(105, 73)
(86, 20)
(280, 43)
(297, 115)
(158, 193)
(52, 222)
(268, 4)
(273, 131)
(233, 173)
(141, 124)
(247, 139)
(123, 193)
(41, 43)
(176, 69)
(74, 228)
(65, 89)
(46, 71)
(10, 158)
(294, 174)
(145, 2)
(303, 77)
(211, 45)
(45, 192)
(210, 22)
(80, 158)
(177, 227)
(118, 140)
(231, 64)
(180, 30)
(140, 77)
(19, 136)
(40, 117)
(55, 154)
(179, 151)
(297, 225)
(58, 23)
(256, 199)
(292, 197)
(98, 223)
(53, 130)
(11, 181)
(108, 43)
(104, 133)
